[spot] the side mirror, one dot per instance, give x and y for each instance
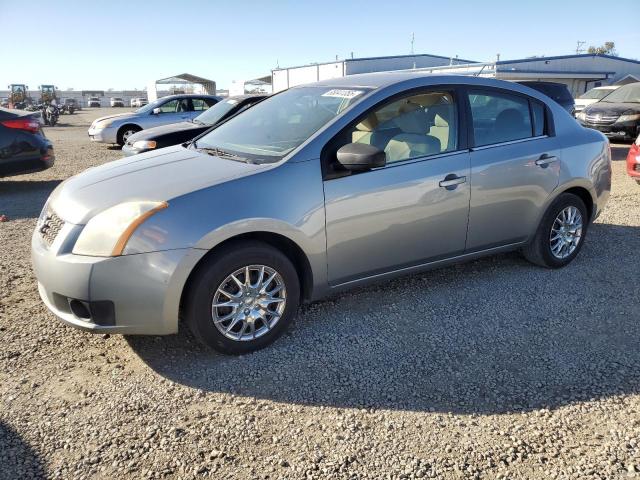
(359, 157)
(156, 111)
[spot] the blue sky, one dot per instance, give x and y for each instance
(125, 44)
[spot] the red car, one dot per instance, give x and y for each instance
(633, 160)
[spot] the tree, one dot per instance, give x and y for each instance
(609, 48)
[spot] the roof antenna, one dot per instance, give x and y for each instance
(413, 39)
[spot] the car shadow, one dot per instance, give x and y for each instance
(19, 460)
(494, 335)
(24, 199)
(114, 147)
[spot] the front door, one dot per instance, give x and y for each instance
(413, 210)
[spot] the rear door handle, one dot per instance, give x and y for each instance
(452, 181)
(545, 160)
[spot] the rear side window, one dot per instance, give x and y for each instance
(499, 117)
(199, 104)
(539, 126)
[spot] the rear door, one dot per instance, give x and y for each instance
(515, 165)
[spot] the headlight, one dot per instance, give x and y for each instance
(581, 115)
(628, 116)
(107, 234)
(144, 144)
(103, 124)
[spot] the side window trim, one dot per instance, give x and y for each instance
(460, 103)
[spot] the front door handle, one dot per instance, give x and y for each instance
(451, 181)
(545, 160)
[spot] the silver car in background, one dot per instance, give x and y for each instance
(174, 108)
(315, 190)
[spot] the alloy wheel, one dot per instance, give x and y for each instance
(249, 302)
(566, 232)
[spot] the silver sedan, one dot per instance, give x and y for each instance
(174, 108)
(315, 190)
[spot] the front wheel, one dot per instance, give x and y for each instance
(125, 132)
(561, 233)
(242, 298)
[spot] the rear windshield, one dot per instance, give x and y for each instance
(560, 93)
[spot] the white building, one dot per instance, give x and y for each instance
(579, 72)
(283, 78)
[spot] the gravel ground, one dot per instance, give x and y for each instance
(490, 369)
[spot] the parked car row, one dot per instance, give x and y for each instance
(171, 109)
(312, 191)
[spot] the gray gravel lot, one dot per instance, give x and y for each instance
(490, 369)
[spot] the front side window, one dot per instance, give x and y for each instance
(415, 126)
(273, 128)
(169, 107)
(499, 117)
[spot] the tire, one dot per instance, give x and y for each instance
(125, 132)
(210, 278)
(540, 250)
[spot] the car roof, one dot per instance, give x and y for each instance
(425, 79)
(189, 95)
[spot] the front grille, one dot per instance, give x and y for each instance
(50, 227)
(600, 119)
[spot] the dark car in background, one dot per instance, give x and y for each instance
(177, 133)
(558, 92)
(23, 146)
(617, 115)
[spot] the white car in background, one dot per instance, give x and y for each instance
(117, 102)
(93, 102)
(139, 102)
(592, 96)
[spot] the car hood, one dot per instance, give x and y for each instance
(117, 115)
(158, 176)
(164, 129)
(612, 108)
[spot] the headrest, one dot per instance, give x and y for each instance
(442, 115)
(412, 119)
(509, 118)
(369, 124)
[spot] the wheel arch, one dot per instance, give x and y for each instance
(284, 244)
(123, 126)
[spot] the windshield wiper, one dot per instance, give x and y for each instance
(218, 152)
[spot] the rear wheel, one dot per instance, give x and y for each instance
(561, 233)
(243, 298)
(125, 132)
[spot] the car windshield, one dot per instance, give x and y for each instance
(150, 106)
(215, 113)
(626, 94)
(596, 93)
(273, 128)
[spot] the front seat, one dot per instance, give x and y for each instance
(443, 126)
(364, 130)
(413, 141)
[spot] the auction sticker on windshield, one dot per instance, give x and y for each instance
(342, 93)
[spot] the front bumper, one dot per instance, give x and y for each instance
(103, 135)
(143, 291)
(615, 130)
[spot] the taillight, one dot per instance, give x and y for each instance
(28, 124)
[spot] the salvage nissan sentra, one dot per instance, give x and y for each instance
(317, 189)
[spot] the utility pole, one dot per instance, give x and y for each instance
(413, 39)
(580, 47)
